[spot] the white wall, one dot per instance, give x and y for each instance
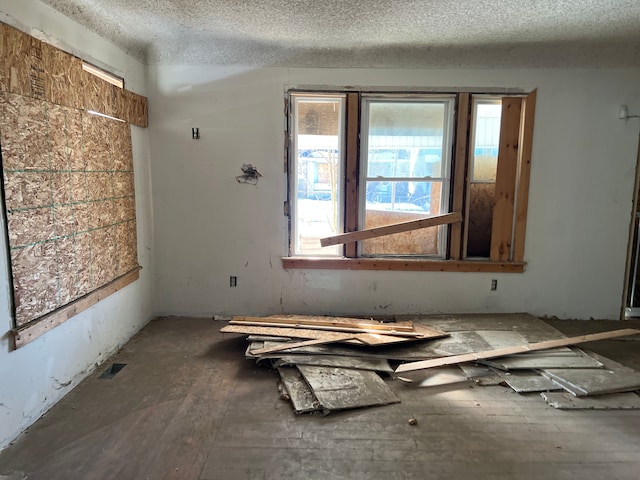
(34, 377)
(209, 227)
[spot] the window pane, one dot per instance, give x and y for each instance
(405, 139)
(397, 196)
(405, 169)
(486, 138)
(318, 191)
(485, 133)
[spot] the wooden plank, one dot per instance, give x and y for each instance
(304, 343)
(524, 173)
(443, 219)
(369, 339)
(351, 173)
(333, 329)
(24, 335)
(459, 174)
(280, 331)
(133, 108)
(402, 264)
(502, 225)
(501, 352)
(314, 321)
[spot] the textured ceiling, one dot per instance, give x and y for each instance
(367, 33)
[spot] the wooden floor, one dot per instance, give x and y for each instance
(189, 406)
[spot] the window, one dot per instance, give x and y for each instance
(408, 181)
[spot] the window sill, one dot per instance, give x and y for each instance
(414, 265)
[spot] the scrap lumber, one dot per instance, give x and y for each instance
(399, 331)
(369, 339)
(501, 352)
(327, 322)
(434, 221)
(303, 343)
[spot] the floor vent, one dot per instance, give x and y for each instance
(113, 370)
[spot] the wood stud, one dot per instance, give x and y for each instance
(505, 189)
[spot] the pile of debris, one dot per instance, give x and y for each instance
(336, 363)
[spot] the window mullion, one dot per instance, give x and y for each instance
(351, 171)
(459, 175)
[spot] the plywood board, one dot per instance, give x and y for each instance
(423, 241)
(15, 59)
(99, 95)
(32, 330)
(611, 401)
(65, 79)
(479, 219)
(343, 388)
(67, 233)
(133, 108)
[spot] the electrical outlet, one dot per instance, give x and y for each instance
(233, 281)
(494, 285)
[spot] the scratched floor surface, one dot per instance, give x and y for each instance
(187, 405)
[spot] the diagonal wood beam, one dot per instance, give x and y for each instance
(434, 221)
(501, 352)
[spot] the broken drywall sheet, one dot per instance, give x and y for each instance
(357, 363)
(436, 377)
(611, 378)
(611, 401)
(528, 382)
(299, 393)
(343, 388)
(569, 358)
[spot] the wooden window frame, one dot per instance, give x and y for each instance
(509, 207)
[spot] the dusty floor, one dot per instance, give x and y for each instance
(189, 406)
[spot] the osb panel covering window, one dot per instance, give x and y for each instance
(69, 195)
